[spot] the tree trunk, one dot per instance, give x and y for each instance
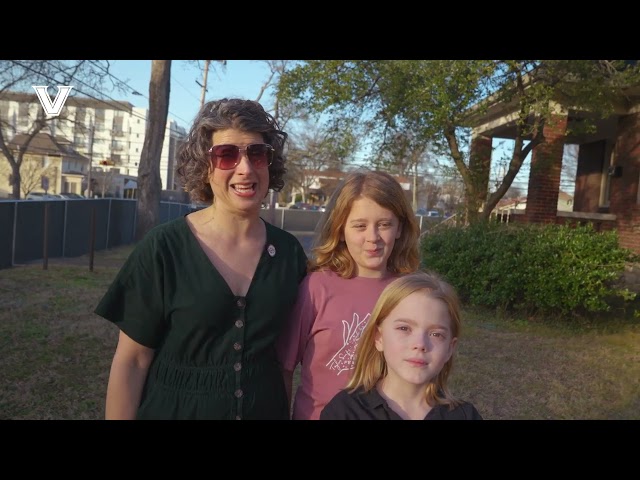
(149, 184)
(15, 180)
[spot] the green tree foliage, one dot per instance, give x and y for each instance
(438, 100)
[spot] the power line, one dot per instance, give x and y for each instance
(135, 92)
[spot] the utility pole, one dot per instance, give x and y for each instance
(91, 134)
(415, 186)
(204, 81)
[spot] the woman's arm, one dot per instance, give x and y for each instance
(129, 369)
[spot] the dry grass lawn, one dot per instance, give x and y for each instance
(56, 353)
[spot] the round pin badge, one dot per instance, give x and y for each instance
(271, 250)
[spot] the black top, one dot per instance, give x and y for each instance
(361, 405)
(214, 351)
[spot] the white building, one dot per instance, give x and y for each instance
(110, 133)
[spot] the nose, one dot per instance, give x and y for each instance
(421, 342)
(373, 235)
(244, 166)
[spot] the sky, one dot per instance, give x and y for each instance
(239, 78)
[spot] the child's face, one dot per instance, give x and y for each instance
(370, 234)
(416, 340)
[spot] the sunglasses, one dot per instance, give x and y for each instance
(227, 157)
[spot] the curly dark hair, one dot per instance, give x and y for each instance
(245, 115)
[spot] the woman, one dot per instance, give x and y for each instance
(201, 299)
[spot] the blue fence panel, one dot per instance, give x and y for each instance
(122, 222)
(77, 228)
(7, 214)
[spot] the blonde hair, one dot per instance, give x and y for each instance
(370, 364)
(329, 253)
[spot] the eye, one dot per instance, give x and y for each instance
(403, 328)
(385, 225)
(358, 225)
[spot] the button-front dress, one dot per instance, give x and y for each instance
(214, 351)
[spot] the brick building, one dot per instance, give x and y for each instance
(608, 172)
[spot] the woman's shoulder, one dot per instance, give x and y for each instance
(171, 228)
(168, 238)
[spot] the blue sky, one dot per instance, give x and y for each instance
(240, 78)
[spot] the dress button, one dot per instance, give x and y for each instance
(237, 366)
(237, 346)
(241, 302)
(239, 323)
(238, 393)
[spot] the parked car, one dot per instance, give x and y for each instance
(300, 206)
(43, 196)
(72, 196)
(428, 213)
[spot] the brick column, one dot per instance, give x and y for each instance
(623, 198)
(544, 177)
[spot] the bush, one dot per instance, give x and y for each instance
(529, 267)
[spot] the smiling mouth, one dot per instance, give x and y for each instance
(244, 187)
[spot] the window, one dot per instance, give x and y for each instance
(23, 114)
(4, 112)
(100, 118)
(81, 114)
(118, 121)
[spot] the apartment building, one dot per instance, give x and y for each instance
(109, 133)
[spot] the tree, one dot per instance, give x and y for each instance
(19, 76)
(149, 183)
(315, 149)
(437, 101)
(402, 155)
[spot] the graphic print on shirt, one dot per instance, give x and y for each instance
(344, 359)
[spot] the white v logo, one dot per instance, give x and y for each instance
(52, 109)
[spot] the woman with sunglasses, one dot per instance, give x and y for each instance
(201, 299)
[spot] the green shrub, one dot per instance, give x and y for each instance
(533, 267)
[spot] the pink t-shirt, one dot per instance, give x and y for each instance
(321, 334)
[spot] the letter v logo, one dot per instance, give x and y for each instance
(52, 109)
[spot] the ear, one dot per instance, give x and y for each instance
(452, 347)
(378, 340)
(399, 232)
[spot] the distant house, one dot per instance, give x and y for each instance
(50, 165)
(509, 206)
(319, 185)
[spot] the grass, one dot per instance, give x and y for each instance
(56, 353)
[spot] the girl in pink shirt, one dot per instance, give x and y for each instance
(368, 237)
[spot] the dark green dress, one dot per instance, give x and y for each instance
(215, 355)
